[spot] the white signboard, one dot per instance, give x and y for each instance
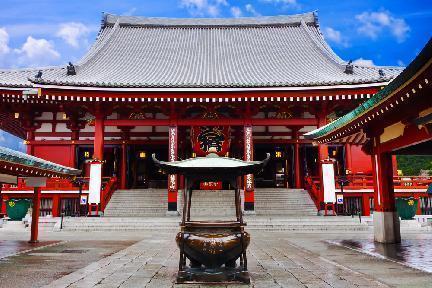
(95, 184)
(329, 185)
(339, 198)
(83, 200)
(8, 179)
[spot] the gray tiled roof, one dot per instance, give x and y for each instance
(19, 78)
(279, 51)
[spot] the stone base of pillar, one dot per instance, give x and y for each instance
(172, 213)
(249, 212)
(172, 206)
(386, 227)
(249, 206)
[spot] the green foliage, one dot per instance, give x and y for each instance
(412, 164)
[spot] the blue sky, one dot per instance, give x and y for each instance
(373, 32)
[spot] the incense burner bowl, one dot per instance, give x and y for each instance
(212, 249)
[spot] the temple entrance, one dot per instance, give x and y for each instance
(309, 160)
(279, 172)
(84, 155)
(141, 171)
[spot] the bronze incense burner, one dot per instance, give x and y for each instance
(216, 250)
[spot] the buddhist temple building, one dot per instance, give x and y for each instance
(181, 88)
(389, 128)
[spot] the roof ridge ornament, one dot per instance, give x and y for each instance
(38, 75)
(349, 68)
(71, 69)
(315, 16)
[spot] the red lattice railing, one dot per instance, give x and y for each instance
(361, 187)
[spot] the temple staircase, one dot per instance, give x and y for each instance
(284, 202)
(153, 202)
(137, 203)
(207, 204)
(276, 210)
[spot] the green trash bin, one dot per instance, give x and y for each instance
(17, 208)
(406, 207)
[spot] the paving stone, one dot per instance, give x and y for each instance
(272, 262)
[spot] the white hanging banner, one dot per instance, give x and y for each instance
(95, 184)
(329, 184)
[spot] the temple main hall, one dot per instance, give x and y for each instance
(181, 88)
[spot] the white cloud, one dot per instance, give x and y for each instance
(284, 3)
(73, 33)
(363, 62)
(373, 23)
(4, 41)
(37, 52)
(213, 10)
(249, 8)
(236, 11)
(335, 36)
(400, 29)
(222, 2)
(203, 7)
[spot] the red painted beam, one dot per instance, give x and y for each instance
(205, 94)
(216, 122)
(142, 134)
(150, 142)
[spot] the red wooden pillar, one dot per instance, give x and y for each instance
(297, 170)
(395, 166)
(1, 200)
(35, 215)
(348, 157)
(172, 179)
(98, 143)
(3, 204)
(386, 220)
(98, 148)
(365, 204)
(249, 189)
(55, 205)
(123, 165)
(322, 148)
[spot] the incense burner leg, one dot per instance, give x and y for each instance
(244, 261)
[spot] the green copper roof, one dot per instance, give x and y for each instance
(19, 158)
(424, 56)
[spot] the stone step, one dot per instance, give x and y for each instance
(311, 223)
(148, 202)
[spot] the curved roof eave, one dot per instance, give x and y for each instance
(211, 89)
(419, 64)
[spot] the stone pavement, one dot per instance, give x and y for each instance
(272, 263)
(150, 258)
